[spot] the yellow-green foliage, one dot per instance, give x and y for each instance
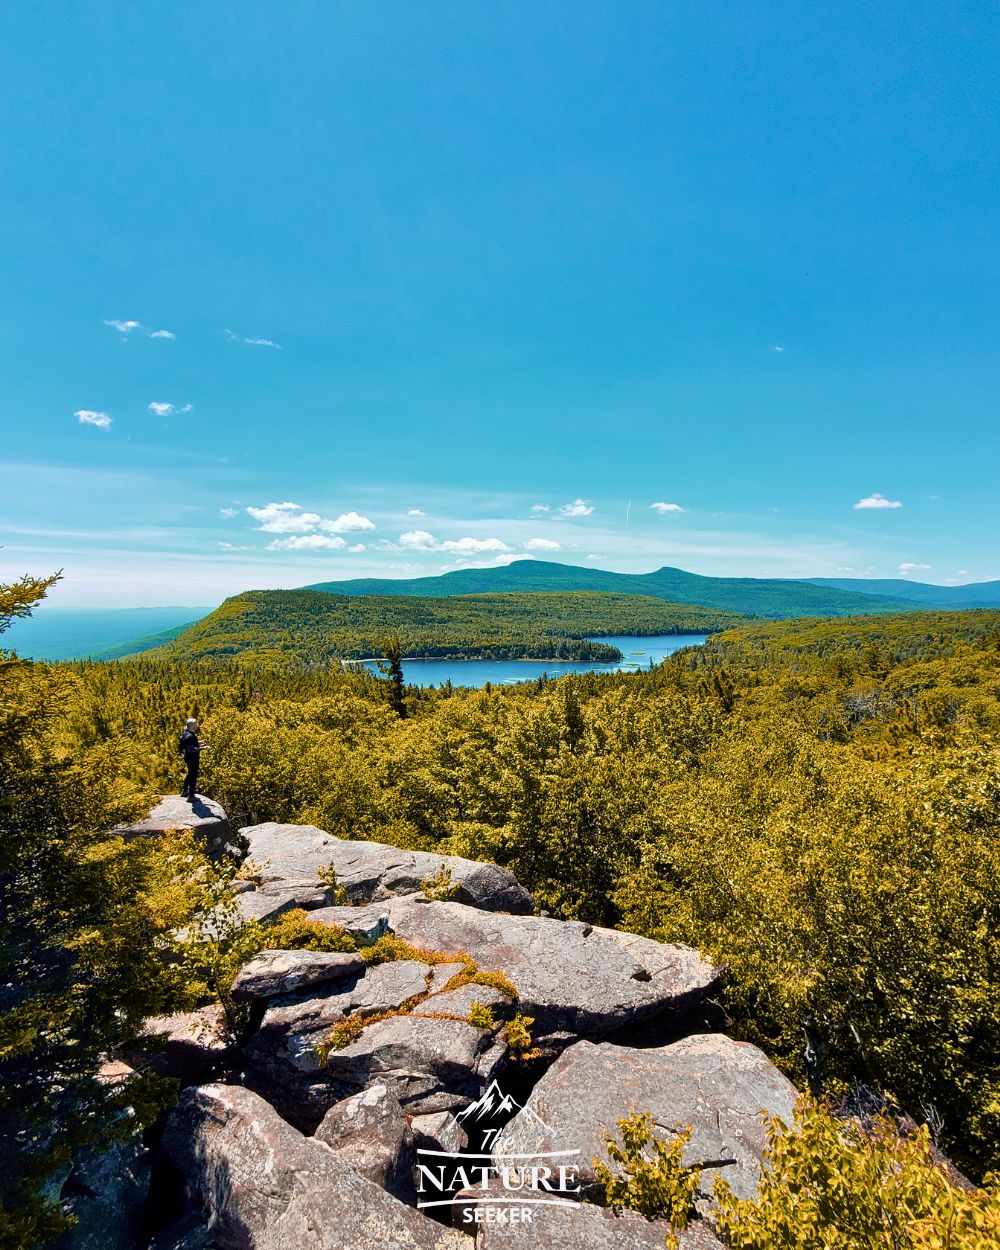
(296, 930)
(496, 980)
(653, 1179)
(481, 1016)
(835, 1185)
(338, 893)
(440, 886)
(389, 948)
(520, 1043)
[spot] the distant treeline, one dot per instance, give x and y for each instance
(312, 628)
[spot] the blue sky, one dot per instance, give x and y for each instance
(468, 282)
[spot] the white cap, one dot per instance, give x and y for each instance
(190, 721)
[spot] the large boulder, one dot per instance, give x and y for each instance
(264, 1186)
(577, 1226)
(709, 1082)
(370, 1132)
(576, 980)
(432, 1063)
(192, 1046)
(292, 856)
(273, 973)
(204, 816)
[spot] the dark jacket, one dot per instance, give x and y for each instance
(189, 746)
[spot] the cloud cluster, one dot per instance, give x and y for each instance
(250, 342)
(130, 327)
(87, 416)
(663, 508)
(579, 507)
(160, 409)
(908, 567)
(878, 500)
(307, 531)
(541, 544)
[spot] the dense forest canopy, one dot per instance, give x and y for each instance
(306, 626)
(813, 803)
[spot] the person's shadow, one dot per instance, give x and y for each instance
(199, 807)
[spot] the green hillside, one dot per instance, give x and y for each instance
(753, 596)
(314, 627)
(149, 643)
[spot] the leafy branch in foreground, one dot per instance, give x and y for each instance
(844, 1185)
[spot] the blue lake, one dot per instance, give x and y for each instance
(636, 653)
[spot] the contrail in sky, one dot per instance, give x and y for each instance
(628, 513)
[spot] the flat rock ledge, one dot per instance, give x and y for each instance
(717, 1086)
(576, 980)
(292, 857)
(262, 1185)
(203, 816)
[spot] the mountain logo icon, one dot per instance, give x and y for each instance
(494, 1102)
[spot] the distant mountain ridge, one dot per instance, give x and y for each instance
(778, 599)
(973, 595)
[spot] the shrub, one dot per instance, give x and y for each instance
(520, 1044)
(481, 1016)
(653, 1179)
(831, 1183)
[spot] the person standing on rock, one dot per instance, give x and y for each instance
(191, 748)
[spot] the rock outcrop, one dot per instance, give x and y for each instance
(717, 1086)
(348, 1068)
(205, 817)
(585, 1227)
(576, 980)
(292, 856)
(262, 1185)
(274, 973)
(370, 1132)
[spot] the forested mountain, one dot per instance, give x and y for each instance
(754, 596)
(974, 595)
(308, 626)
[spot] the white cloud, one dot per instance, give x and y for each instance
(123, 327)
(539, 507)
(232, 547)
(250, 342)
(541, 544)
(474, 546)
(229, 512)
(579, 507)
(418, 540)
(494, 563)
(308, 542)
(877, 500)
(162, 334)
(284, 518)
(664, 508)
(186, 408)
(87, 416)
(777, 349)
(415, 512)
(909, 567)
(594, 556)
(160, 410)
(357, 547)
(347, 523)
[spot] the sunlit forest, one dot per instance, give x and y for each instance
(814, 803)
(310, 628)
